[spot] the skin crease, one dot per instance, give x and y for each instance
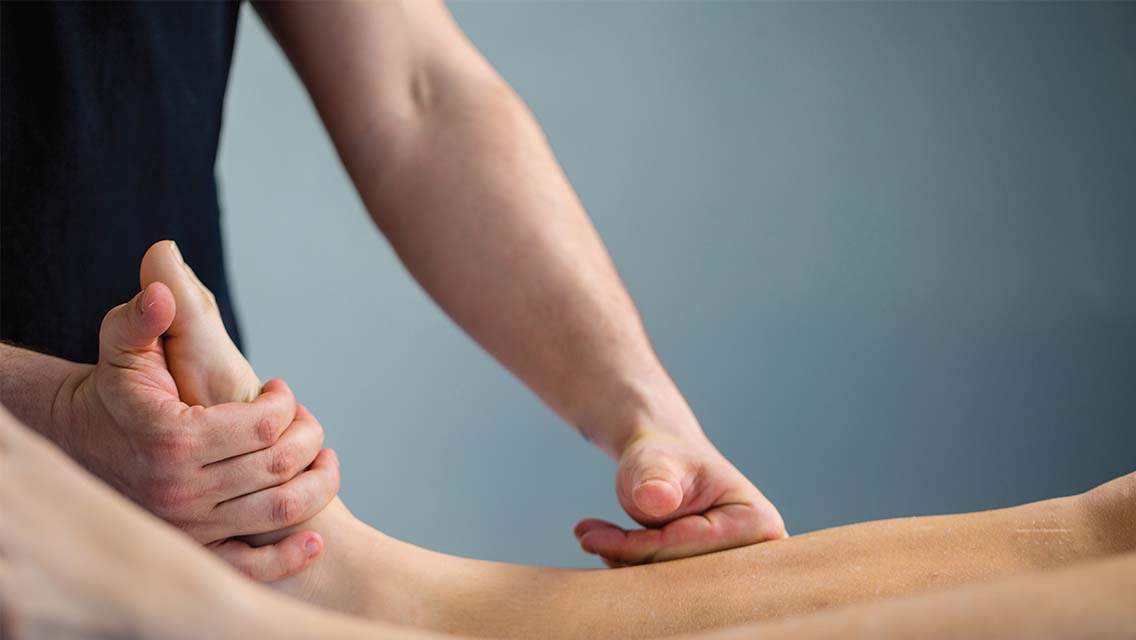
(367, 573)
(78, 561)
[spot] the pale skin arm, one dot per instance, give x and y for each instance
(77, 560)
(458, 176)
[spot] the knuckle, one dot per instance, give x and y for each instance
(197, 415)
(335, 480)
(309, 442)
(265, 431)
(165, 449)
(168, 499)
(319, 434)
(285, 508)
(281, 463)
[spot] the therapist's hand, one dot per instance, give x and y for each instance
(689, 498)
(227, 470)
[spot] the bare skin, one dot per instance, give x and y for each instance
(1085, 601)
(457, 174)
(79, 561)
(367, 573)
(391, 580)
(123, 419)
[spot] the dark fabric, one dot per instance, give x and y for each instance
(111, 118)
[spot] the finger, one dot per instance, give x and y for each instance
(656, 483)
(279, 507)
(274, 561)
(237, 428)
(721, 528)
(587, 525)
(135, 325)
(292, 453)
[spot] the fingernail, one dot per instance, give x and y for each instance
(177, 252)
(312, 547)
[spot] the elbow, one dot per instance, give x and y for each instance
(436, 92)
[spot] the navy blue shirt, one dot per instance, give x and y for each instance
(111, 118)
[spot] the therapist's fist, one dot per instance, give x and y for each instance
(215, 472)
(689, 498)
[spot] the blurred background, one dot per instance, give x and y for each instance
(887, 251)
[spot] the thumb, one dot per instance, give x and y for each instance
(135, 325)
(656, 483)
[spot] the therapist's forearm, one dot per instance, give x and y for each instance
(458, 175)
(481, 214)
(32, 386)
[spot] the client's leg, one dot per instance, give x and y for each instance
(1087, 601)
(802, 574)
(78, 560)
(366, 572)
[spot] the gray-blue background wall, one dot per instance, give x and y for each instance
(887, 251)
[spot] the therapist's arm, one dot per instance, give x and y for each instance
(457, 174)
(31, 385)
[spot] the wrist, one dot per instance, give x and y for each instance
(71, 406)
(31, 383)
(654, 409)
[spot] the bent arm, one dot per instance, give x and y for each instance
(458, 175)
